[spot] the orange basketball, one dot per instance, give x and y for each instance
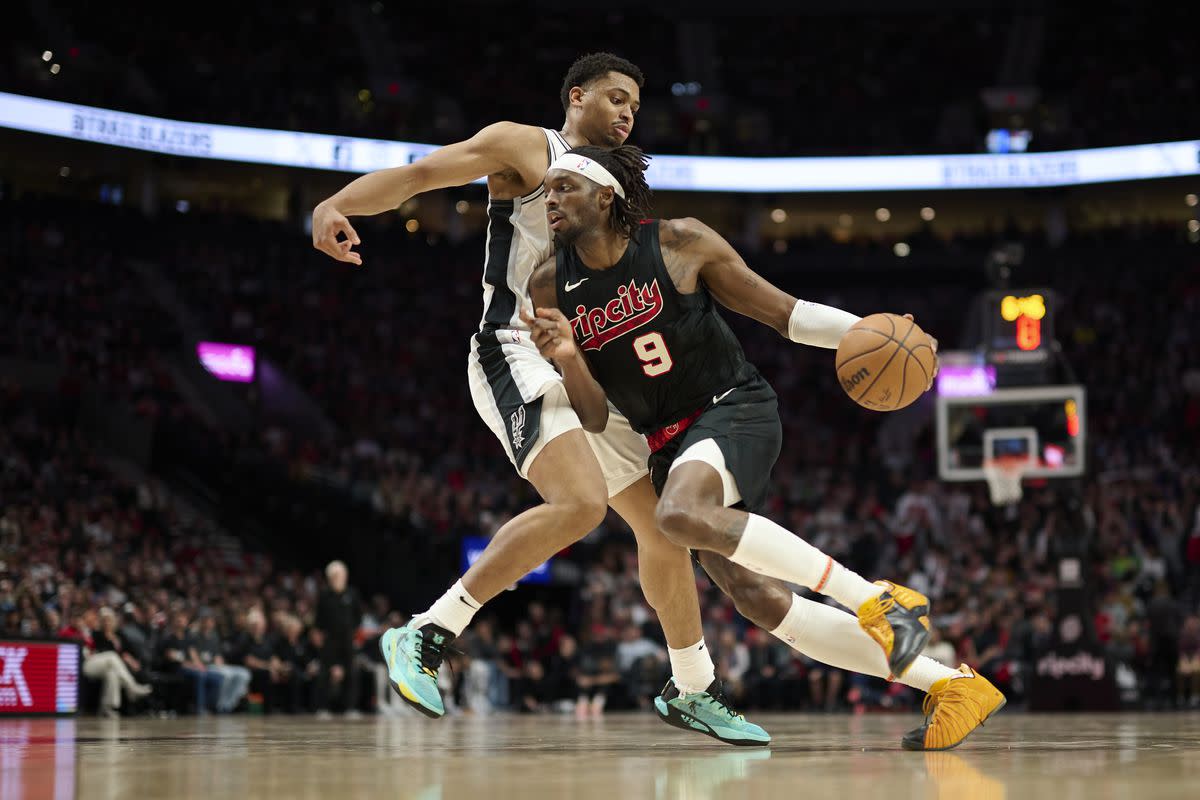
(884, 362)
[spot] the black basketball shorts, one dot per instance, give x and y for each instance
(744, 424)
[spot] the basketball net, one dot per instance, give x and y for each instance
(1003, 475)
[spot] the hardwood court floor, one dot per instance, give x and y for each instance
(622, 757)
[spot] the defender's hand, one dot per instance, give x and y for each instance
(936, 363)
(327, 223)
(551, 332)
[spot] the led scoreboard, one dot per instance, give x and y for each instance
(38, 677)
(1019, 324)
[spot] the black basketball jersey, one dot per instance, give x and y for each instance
(660, 355)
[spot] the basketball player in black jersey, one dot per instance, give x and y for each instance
(644, 335)
(600, 97)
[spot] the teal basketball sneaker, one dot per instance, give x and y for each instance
(413, 657)
(709, 713)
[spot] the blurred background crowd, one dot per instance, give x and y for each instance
(96, 547)
(745, 82)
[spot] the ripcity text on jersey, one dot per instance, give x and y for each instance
(659, 354)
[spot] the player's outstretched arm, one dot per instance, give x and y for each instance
(737, 287)
(493, 150)
(551, 332)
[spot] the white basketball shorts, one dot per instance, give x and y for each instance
(522, 399)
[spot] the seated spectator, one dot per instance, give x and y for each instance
(599, 679)
(106, 660)
(179, 655)
(508, 665)
(562, 671)
(257, 652)
(642, 663)
(297, 665)
(634, 647)
(235, 679)
(533, 690)
(137, 634)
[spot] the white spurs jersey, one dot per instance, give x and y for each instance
(518, 240)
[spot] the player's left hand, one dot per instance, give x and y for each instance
(936, 363)
(551, 332)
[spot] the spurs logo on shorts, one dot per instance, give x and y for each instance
(517, 418)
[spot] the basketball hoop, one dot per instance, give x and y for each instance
(1003, 475)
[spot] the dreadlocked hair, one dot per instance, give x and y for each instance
(628, 165)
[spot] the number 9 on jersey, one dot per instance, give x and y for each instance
(652, 350)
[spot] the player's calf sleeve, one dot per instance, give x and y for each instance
(768, 549)
(833, 637)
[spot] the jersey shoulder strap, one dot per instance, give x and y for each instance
(562, 260)
(650, 251)
(557, 144)
(536, 191)
(647, 231)
(651, 242)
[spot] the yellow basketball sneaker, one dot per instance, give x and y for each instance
(953, 708)
(898, 619)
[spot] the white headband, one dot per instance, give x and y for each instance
(588, 169)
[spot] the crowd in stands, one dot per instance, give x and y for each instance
(61, 312)
(173, 614)
(752, 83)
(283, 70)
(175, 618)
(886, 83)
(163, 598)
(1121, 77)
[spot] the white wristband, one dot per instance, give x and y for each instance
(819, 325)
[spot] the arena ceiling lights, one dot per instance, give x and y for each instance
(674, 173)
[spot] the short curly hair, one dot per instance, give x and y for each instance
(596, 65)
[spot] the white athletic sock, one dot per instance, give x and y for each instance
(848, 587)
(925, 672)
(769, 549)
(692, 668)
(834, 637)
(452, 611)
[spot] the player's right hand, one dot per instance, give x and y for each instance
(551, 332)
(933, 344)
(327, 223)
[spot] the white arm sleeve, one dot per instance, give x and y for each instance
(819, 325)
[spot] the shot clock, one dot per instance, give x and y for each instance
(1018, 325)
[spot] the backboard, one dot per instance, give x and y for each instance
(1045, 424)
